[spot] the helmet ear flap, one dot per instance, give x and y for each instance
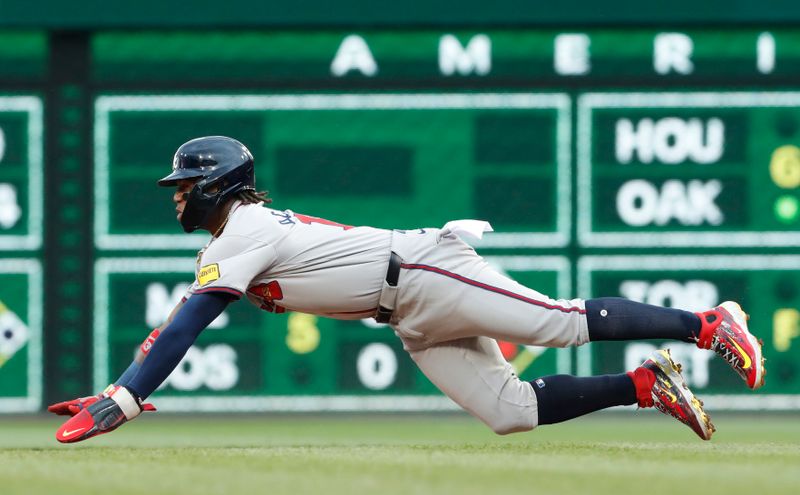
(199, 207)
(223, 166)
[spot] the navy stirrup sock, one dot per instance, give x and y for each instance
(615, 318)
(563, 397)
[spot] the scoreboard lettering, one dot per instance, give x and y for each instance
(446, 57)
(688, 169)
(21, 181)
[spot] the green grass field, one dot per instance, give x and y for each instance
(448, 454)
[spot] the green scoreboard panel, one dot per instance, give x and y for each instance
(249, 360)
(585, 148)
(20, 335)
(716, 169)
(21, 193)
(768, 287)
(23, 55)
(23, 65)
(388, 160)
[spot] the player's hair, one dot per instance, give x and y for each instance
(250, 196)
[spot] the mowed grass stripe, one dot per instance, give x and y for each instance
(605, 454)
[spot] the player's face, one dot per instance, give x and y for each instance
(181, 193)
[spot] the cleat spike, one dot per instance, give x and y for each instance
(672, 396)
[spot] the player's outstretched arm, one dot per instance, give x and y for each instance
(144, 349)
(122, 403)
(74, 406)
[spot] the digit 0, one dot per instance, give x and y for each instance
(377, 366)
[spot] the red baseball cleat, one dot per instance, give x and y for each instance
(659, 383)
(724, 330)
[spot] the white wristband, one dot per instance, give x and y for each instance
(126, 402)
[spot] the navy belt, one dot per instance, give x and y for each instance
(383, 315)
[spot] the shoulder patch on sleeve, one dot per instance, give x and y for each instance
(208, 274)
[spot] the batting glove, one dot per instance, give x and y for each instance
(115, 406)
(74, 406)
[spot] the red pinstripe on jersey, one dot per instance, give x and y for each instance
(224, 290)
(491, 288)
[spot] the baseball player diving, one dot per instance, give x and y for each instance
(443, 301)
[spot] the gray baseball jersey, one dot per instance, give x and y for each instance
(448, 306)
(286, 261)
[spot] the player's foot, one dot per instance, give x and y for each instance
(724, 330)
(659, 383)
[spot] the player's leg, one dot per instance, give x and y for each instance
(454, 294)
(473, 373)
(657, 382)
(722, 329)
(450, 292)
(615, 318)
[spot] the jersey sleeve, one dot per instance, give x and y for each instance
(230, 263)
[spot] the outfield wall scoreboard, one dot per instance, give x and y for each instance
(656, 163)
(619, 163)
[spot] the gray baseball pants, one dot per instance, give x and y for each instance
(450, 306)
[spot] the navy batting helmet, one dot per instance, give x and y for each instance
(224, 167)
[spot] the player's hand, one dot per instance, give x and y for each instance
(115, 406)
(74, 406)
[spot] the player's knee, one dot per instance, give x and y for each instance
(506, 427)
(511, 420)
